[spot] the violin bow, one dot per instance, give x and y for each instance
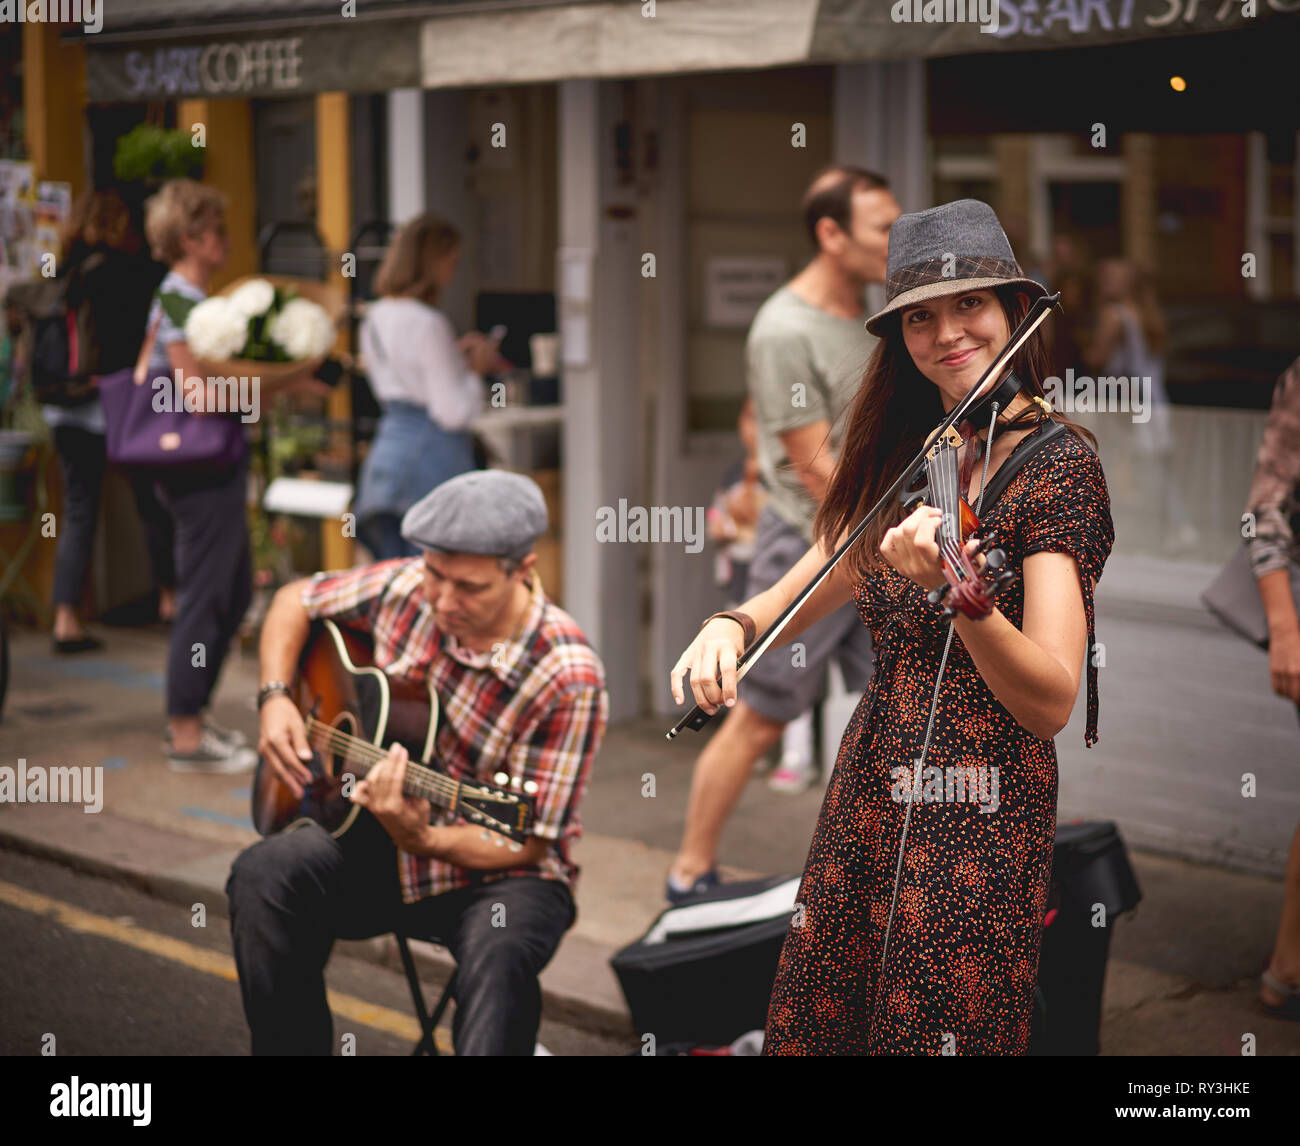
(697, 718)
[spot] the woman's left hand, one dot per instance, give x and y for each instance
(911, 548)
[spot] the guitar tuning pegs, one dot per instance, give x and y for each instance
(996, 558)
(500, 779)
(516, 783)
(530, 787)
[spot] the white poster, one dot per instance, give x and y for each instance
(737, 285)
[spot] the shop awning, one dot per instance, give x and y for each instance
(151, 49)
(176, 49)
(610, 38)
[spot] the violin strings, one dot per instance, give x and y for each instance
(945, 478)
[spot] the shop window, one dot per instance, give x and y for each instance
(946, 190)
(1090, 211)
(284, 139)
(962, 146)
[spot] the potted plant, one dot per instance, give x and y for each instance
(151, 155)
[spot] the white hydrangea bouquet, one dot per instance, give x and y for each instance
(272, 326)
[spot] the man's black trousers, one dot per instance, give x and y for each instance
(291, 895)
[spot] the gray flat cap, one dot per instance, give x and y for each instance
(488, 512)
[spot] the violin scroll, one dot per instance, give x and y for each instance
(970, 590)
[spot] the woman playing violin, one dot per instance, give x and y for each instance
(962, 894)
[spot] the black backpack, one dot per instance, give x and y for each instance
(58, 335)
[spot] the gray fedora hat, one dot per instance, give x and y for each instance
(958, 247)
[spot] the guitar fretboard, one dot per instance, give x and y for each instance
(419, 781)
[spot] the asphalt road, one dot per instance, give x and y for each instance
(108, 970)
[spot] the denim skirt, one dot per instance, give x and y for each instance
(409, 456)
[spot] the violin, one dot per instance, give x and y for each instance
(967, 588)
(964, 579)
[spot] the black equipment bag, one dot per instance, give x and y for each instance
(703, 972)
(1090, 867)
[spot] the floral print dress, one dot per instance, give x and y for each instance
(963, 948)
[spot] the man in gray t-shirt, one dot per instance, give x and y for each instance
(803, 365)
(806, 353)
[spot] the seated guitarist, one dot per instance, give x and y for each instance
(521, 692)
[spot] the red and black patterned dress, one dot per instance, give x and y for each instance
(963, 950)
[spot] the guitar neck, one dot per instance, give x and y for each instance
(360, 755)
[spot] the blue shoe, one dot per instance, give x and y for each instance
(707, 882)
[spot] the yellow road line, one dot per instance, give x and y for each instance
(202, 959)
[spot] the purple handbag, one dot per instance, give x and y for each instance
(138, 435)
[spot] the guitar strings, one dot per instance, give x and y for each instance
(424, 779)
(361, 752)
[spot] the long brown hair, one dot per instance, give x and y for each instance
(410, 265)
(894, 411)
(98, 217)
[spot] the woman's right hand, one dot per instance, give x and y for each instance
(712, 654)
(1284, 663)
(480, 352)
(282, 743)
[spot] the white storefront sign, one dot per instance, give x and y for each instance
(737, 285)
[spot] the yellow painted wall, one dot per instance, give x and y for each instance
(334, 222)
(228, 166)
(54, 99)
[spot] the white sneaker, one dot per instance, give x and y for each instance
(792, 778)
(231, 736)
(214, 756)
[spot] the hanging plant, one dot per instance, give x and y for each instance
(151, 154)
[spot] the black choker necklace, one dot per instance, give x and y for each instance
(1003, 394)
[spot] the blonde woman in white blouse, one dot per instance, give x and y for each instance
(428, 382)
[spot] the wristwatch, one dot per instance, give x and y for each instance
(270, 689)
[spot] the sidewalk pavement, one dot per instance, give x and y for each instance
(1182, 977)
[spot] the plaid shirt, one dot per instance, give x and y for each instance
(535, 709)
(1275, 491)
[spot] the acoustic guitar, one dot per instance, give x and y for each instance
(352, 711)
